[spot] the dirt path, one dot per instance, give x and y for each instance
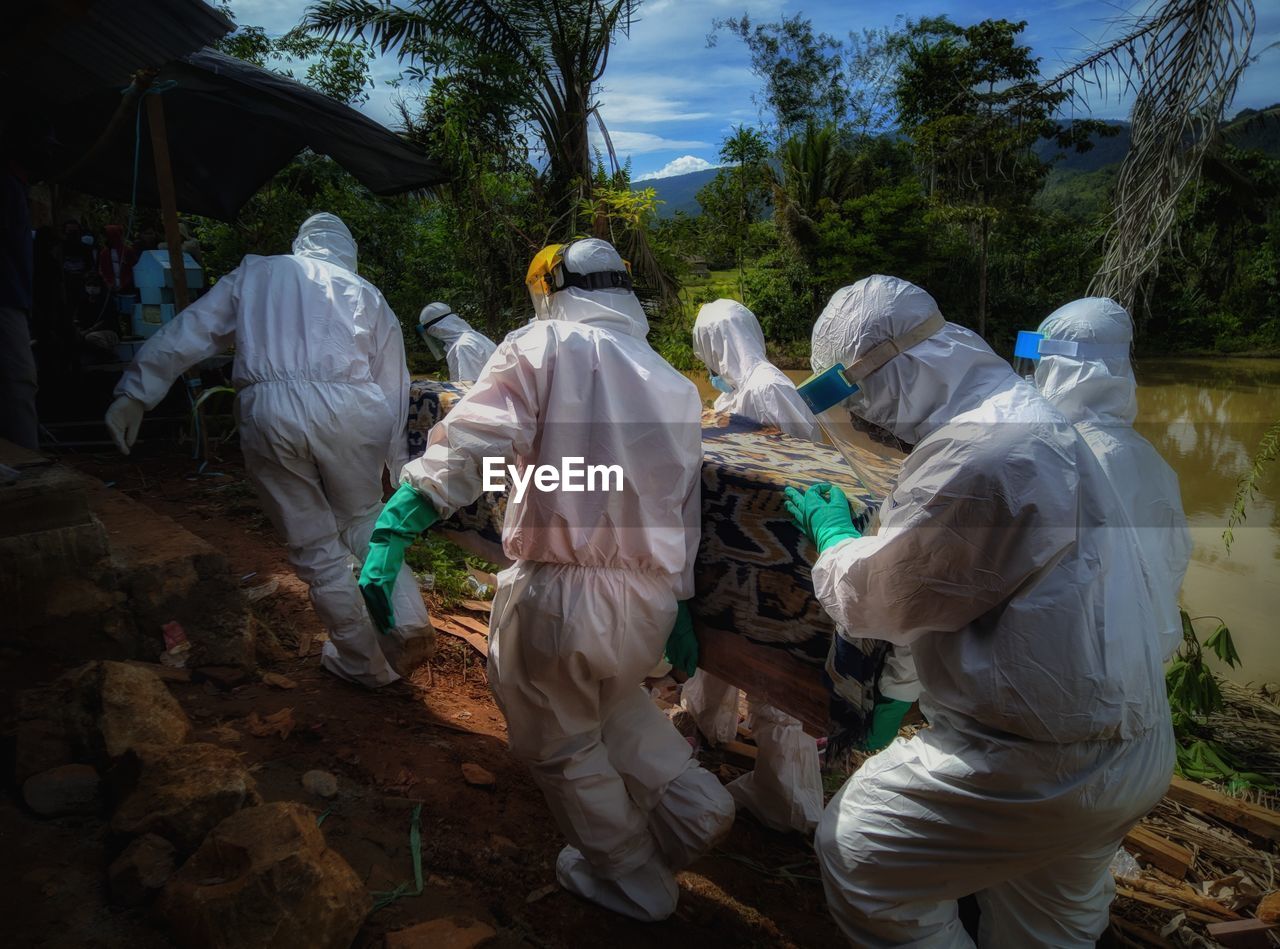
(488, 853)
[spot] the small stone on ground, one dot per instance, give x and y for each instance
(477, 776)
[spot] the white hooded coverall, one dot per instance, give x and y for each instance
(1099, 396)
(1004, 559)
(466, 351)
(784, 789)
(322, 402)
(584, 612)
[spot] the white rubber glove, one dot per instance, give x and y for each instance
(124, 418)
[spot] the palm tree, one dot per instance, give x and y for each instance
(817, 175)
(543, 58)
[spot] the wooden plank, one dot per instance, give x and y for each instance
(1242, 933)
(1139, 934)
(1159, 852)
(739, 754)
(1183, 895)
(471, 623)
(478, 643)
(479, 606)
(1150, 900)
(1259, 821)
(768, 674)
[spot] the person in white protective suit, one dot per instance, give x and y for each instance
(784, 790)
(1083, 368)
(322, 402)
(452, 339)
(599, 576)
(1003, 558)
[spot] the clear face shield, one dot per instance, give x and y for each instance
(433, 345)
(835, 397)
(1030, 347)
(1026, 353)
(548, 275)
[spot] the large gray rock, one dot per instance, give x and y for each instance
(71, 789)
(179, 792)
(265, 878)
(111, 707)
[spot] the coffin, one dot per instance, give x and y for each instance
(759, 625)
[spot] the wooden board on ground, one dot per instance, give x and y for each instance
(1259, 821)
(471, 623)
(476, 642)
(1242, 933)
(1159, 852)
(768, 674)
(478, 606)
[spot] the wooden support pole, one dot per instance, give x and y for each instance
(173, 236)
(168, 200)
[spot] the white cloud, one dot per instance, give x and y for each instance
(646, 107)
(640, 143)
(685, 164)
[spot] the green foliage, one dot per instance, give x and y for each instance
(1268, 451)
(803, 72)
(523, 69)
(339, 70)
(1194, 695)
(1219, 287)
(734, 201)
(447, 563)
(974, 108)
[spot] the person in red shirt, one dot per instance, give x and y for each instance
(115, 261)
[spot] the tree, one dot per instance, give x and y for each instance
(339, 70)
(539, 60)
(739, 194)
(817, 177)
(803, 72)
(971, 102)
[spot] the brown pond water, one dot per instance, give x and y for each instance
(1206, 416)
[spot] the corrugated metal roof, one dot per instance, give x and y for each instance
(61, 50)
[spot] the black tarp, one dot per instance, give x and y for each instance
(231, 127)
(56, 50)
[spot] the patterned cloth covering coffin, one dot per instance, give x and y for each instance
(753, 568)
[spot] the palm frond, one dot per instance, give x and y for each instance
(1187, 68)
(408, 30)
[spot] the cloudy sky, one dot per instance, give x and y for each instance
(668, 100)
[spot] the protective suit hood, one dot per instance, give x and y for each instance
(917, 390)
(618, 310)
(449, 329)
(1090, 389)
(728, 339)
(325, 237)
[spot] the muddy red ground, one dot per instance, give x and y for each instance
(488, 853)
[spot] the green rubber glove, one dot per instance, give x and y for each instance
(822, 512)
(682, 644)
(403, 518)
(886, 719)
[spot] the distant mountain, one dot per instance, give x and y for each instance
(1256, 128)
(1106, 150)
(679, 192)
(1079, 181)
